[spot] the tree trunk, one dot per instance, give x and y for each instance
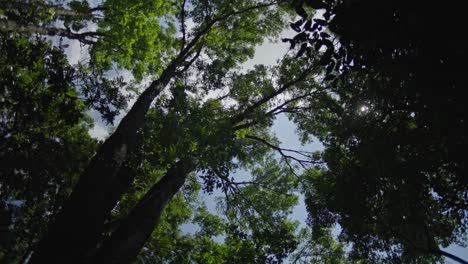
(451, 256)
(45, 8)
(12, 26)
(127, 240)
(79, 225)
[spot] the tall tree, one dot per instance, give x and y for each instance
(217, 27)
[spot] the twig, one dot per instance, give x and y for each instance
(283, 150)
(251, 108)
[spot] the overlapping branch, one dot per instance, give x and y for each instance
(305, 160)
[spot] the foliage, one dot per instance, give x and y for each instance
(242, 236)
(388, 137)
(392, 125)
(137, 35)
(44, 139)
(321, 248)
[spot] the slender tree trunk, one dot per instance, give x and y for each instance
(10, 25)
(127, 240)
(451, 256)
(79, 225)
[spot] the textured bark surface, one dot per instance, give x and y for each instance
(42, 7)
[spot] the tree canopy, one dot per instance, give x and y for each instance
(379, 84)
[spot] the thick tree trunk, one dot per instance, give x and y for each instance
(79, 225)
(127, 240)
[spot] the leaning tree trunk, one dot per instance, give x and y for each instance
(450, 256)
(78, 226)
(127, 240)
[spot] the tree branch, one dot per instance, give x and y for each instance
(204, 30)
(236, 191)
(285, 156)
(251, 108)
(451, 256)
(272, 111)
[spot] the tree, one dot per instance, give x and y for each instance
(213, 142)
(173, 130)
(245, 239)
(165, 116)
(392, 125)
(201, 125)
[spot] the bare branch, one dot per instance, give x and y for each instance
(220, 98)
(286, 157)
(192, 60)
(293, 110)
(272, 111)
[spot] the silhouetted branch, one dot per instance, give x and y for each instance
(451, 256)
(272, 111)
(267, 98)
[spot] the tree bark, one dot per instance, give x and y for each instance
(127, 240)
(79, 225)
(10, 25)
(451, 256)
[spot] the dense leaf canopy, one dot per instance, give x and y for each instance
(393, 123)
(379, 83)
